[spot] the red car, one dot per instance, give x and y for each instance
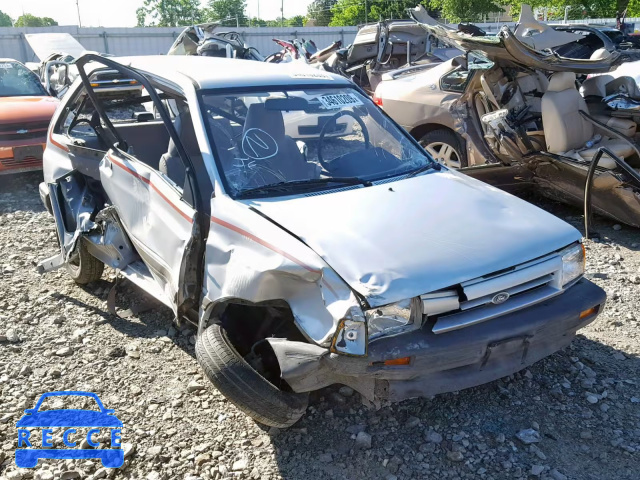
(25, 112)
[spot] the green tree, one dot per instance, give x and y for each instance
(223, 9)
(320, 12)
(465, 10)
(633, 8)
(5, 20)
(297, 21)
(257, 22)
(579, 9)
(352, 12)
(169, 13)
(28, 20)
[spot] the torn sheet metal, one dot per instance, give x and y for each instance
(250, 258)
(157, 221)
(443, 363)
(505, 46)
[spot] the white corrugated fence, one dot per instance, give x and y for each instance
(157, 40)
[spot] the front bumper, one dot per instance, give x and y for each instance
(446, 362)
(11, 165)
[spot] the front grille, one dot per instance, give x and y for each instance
(26, 163)
(522, 287)
(9, 132)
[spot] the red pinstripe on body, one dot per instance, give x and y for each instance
(148, 182)
(273, 248)
(57, 144)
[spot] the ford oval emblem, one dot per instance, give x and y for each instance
(500, 298)
(22, 132)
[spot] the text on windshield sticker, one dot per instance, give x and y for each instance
(340, 100)
(313, 75)
(6, 65)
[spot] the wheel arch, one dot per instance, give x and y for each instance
(263, 319)
(421, 130)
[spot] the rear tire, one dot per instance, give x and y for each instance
(85, 268)
(445, 147)
(243, 386)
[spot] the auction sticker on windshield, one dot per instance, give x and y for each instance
(6, 65)
(313, 75)
(340, 100)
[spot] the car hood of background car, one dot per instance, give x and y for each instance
(69, 418)
(27, 109)
(399, 240)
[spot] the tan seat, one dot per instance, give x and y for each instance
(623, 125)
(599, 87)
(619, 147)
(600, 54)
(595, 86)
(566, 130)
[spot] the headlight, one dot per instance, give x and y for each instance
(573, 263)
(351, 335)
(395, 318)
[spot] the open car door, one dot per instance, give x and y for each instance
(160, 218)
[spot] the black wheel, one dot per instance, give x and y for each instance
(83, 267)
(445, 148)
(244, 386)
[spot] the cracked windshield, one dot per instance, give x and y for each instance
(292, 140)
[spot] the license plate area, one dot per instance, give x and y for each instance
(27, 153)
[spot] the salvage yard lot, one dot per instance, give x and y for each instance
(582, 403)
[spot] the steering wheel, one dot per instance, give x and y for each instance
(508, 94)
(332, 121)
(522, 117)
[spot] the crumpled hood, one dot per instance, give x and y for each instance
(398, 240)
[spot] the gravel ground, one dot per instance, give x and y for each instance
(579, 407)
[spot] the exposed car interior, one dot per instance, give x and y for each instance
(568, 133)
(525, 111)
(137, 123)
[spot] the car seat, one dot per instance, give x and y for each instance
(567, 131)
(282, 154)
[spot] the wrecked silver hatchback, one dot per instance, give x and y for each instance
(306, 252)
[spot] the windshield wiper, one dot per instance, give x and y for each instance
(297, 185)
(429, 166)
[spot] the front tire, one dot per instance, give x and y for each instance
(445, 148)
(243, 386)
(84, 268)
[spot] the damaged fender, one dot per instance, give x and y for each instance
(250, 259)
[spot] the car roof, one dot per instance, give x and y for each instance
(211, 72)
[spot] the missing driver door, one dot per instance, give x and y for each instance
(160, 223)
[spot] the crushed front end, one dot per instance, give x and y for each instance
(454, 339)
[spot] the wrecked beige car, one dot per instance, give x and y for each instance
(512, 115)
(303, 263)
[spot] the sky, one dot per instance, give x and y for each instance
(122, 13)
